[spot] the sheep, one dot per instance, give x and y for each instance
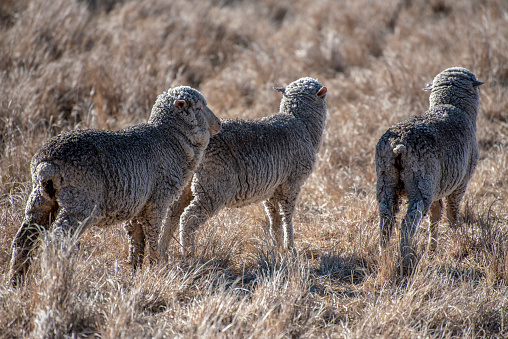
(428, 159)
(101, 177)
(252, 161)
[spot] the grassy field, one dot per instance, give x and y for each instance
(67, 64)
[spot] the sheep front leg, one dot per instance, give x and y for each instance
(193, 217)
(275, 220)
(136, 238)
(287, 208)
(435, 215)
(150, 219)
(152, 232)
(172, 221)
(452, 207)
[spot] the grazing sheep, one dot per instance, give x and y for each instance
(428, 159)
(252, 161)
(104, 177)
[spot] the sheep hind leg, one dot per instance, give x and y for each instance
(172, 222)
(275, 219)
(40, 210)
(417, 209)
(22, 245)
(76, 211)
(434, 216)
(388, 209)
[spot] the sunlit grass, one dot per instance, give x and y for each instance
(101, 64)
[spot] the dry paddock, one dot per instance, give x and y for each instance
(70, 64)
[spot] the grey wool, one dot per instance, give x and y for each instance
(428, 159)
(251, 161)
(102, 177)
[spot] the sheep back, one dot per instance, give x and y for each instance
(249, 159)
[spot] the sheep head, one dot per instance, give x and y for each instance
(189, 105)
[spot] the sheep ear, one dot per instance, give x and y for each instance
(428, 87)
(477, 83)
(180, 104)
(280, 89)
(322, 91)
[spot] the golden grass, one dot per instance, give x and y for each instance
(101, 64)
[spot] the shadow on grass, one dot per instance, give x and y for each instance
(460, 275)
(350, 269)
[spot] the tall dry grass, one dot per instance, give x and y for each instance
(100, 64)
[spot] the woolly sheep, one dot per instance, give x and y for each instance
(252, 161)
(104, 177)
(428, 159)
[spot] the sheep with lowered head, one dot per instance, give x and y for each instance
(101, 177)
(428, 159)
(252, 161)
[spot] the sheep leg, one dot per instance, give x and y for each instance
(76, 211)
(388, 192)
(434, 215)
(150, 219)
(38, 213)
(452, 207)
(287, 207)
(136, 238)
(23, 243)
(152, 231)
(388, 209)
(172, 221)
(416, 210)
(72, 223)
(193, 217)
(275, 219)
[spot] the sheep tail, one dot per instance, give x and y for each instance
(45, 174)
(399, 149)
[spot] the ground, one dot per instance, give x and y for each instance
(101, 64)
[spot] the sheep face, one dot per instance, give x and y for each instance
(200, 115)
(189, 106)
(194, 110)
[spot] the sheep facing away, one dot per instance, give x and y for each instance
(252, 161)
(100, 177)
(428, 159)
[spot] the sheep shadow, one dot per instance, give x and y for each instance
(346, 269)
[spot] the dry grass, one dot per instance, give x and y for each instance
(81, 64)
